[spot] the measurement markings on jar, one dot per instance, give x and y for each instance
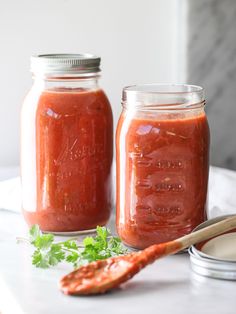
(144, 184)
(169, 187)
(159, 187)
(168, 210)
(169, 164)
(151, 213)
(144, 162)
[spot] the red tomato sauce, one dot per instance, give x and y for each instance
(103, 275)
(162, 177)
(73, 160)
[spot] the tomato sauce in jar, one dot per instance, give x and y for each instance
(66, 148)
(162, 146)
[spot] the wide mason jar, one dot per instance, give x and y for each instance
(66, 145)
(162, 144)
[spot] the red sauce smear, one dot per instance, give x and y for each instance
(103, 275)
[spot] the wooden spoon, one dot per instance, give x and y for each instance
(103, 275)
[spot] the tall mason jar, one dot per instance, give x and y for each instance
(162, 144)
(66, 145)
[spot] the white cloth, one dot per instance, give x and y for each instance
(222, 191)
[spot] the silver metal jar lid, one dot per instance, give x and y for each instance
(71, 64)
(211, 266)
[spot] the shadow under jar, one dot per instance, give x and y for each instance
(162, 144)
(66, 145)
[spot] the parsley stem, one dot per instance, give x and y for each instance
(22, 239)
(79, 244)
(69, 250)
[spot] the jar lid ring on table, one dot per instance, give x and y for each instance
(211, 266)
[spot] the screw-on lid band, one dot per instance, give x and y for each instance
(63, 64)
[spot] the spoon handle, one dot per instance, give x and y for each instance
(208, 232)
(160, 250)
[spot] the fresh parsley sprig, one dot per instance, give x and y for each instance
(49, 253)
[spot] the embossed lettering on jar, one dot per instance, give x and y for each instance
(66, 145)
(162, 143)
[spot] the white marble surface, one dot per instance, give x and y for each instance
(212, 64)
(167, 286)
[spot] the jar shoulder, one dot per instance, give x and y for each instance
(67, 101)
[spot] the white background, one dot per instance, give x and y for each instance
(139, 41)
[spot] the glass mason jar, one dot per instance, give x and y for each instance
(66, 145)
(162, 144)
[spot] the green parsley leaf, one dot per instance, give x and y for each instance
(56, 255)
(44, 241)
(102, 233)
(70, 244)
(48, 253)
(39, 260)
(34, 233)
(73, 258)
(101, 246)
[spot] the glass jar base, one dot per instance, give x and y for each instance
(72, 233)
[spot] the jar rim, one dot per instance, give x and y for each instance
(156, 88)
(163, 96)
